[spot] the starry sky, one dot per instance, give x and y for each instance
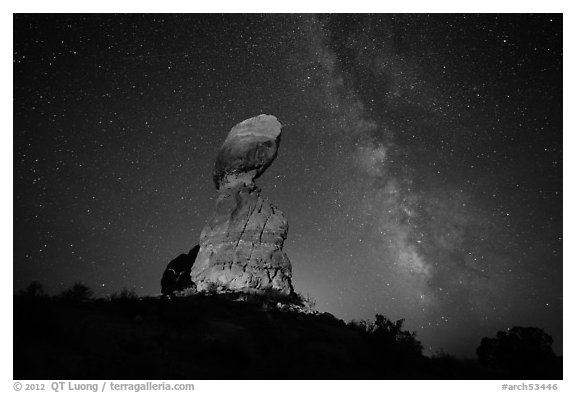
(420, 166)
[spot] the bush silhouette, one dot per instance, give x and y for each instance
(125, 294)
(78, 293)
(211, 288)
(34, 289)
(523, 350)
(389, 336)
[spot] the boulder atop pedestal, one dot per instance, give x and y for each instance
(249, 149)
(241, 248)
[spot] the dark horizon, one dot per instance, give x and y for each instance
(420, 166)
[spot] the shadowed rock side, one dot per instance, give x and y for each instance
(241, 247)
(176, 277)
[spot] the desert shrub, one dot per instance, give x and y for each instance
(391, 334)
(385, 335)
(309, 302)
(444, 356)
(125, 294)
(33, 290)
(299, 299)
(189, 291)
(77, 293)
(212, 288)
(519, 347)
(360, 325)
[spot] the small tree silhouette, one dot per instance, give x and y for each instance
(125, 294)
(34, 289)
(520, 349)
(391, 334)
(78, 293)
(361, 325)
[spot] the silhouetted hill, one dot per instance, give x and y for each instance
(217, 337)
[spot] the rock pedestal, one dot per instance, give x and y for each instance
(241, 247)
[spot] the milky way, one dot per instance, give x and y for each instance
(420, 166)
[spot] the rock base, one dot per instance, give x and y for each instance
(241, 247)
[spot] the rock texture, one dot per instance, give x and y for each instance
(249, 149)
(241, 247)
(176, 276)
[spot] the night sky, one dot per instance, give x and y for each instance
(420, 166)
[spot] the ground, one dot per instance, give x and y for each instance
(215, 337)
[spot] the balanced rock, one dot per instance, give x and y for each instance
(249, 149)
(241, 248)
(176, 276)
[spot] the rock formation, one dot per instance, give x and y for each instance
(176, 276)
(241, 247)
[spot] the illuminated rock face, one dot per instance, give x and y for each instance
(249, 149)
(241, 247)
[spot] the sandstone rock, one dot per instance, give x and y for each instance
(176, 276)
(241, 248)
(249, 149)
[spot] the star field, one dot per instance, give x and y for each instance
(420, 166)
